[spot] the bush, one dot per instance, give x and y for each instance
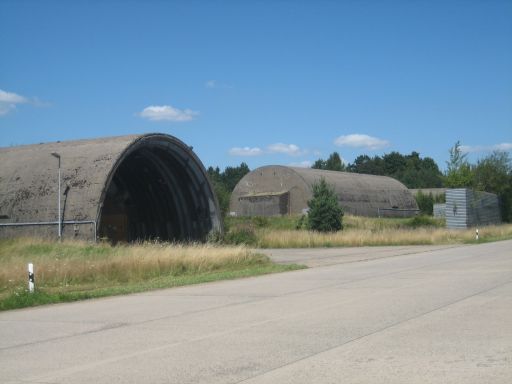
(260, 221)
(302, 223)
(325, 213)
(215, 237)
(243, 234)
(424, 221)
(425, 203)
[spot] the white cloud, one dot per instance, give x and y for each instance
(167, 113)
(216, 84)
(10, 97)
(468, 148)
(361, 141)
(6, 108)
(245, 151)
(486, 148)
(8, 101)
(280, 148)
(210, 84)
(287, 149)
(302, 164)
(503, 147)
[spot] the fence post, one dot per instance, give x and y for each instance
(30, 277)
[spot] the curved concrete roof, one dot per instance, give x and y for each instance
(358, 194)
(29, 176)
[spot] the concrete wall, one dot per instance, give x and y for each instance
(265, 205)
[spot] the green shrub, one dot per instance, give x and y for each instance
(243, 234)
(424, 221)
(325, 213)
(302, 223)
(425, 203)
(215, 237)
(260, 221)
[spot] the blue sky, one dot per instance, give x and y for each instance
(265, 82)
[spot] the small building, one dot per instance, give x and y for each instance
(278, 190)
(468, 208)
(125, 188)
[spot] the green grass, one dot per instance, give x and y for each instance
(71, 271)
(349, 222)
(274, 222)
(20, 297)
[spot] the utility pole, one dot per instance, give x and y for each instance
(55, 154)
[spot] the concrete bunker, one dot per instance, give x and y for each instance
(127, 188)
(278, 190)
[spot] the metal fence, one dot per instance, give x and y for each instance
(75, 223)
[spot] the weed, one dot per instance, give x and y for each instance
(302, 222)
(424, 221)
(241, 234)
(260, 221)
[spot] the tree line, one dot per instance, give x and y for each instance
(412, 170)
(492, 173)
(224, 182)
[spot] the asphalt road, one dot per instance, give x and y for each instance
(428, 315)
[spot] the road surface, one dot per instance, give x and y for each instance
(426, 315)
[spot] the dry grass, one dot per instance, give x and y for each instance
(358, 231)
(378, 236)
(78, 264)
(380, 223)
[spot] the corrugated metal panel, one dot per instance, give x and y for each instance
(467, 208)
(483, 208)
(456, 212)
(439, 210)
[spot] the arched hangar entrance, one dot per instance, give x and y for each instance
(123, 188)
(158, 189)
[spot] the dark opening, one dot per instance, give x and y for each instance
(157, 193)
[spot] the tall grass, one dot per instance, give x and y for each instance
(349, 222)
(282, 232)
(79, 266)
(396, 223)
(273, 222)
(379, 236)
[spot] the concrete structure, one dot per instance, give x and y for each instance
(278, 190)
(467, 208)
(124, 188)
(439, 210)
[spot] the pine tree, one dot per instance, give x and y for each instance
(325, 213)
